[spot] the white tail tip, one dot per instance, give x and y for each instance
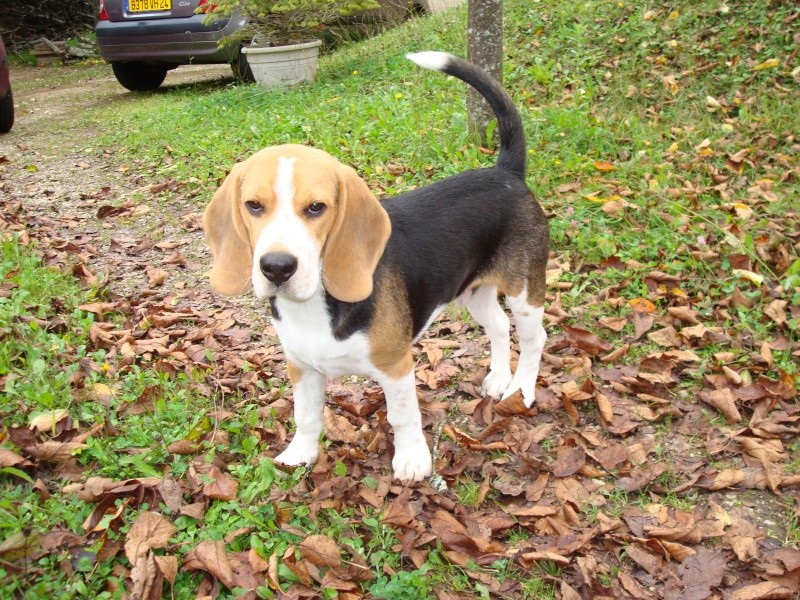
(430, 60)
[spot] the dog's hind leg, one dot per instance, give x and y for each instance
(483, 305)
(532, 336)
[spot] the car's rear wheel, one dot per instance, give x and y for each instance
(241, 69)
(6, 112)
(139, 76)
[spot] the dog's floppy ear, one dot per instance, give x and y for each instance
(226, 233)
(356, 241)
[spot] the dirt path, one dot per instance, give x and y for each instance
(54, 164)
(67, 92)
(139, 237)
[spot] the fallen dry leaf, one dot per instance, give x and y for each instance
(528, 559)
(723, 400)
(667, 336)
(9, 458)
(211, 557)
(150, 530)
(338, 428)
(155, 276)
(146, 578)
(222, 485)
(168, 565)
(47, 421)
(569, 460)
(320, 550)
(52, 451)
(764, 590)
(586, 341)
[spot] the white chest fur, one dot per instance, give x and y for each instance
(304, 329)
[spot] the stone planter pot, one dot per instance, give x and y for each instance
(283, 65)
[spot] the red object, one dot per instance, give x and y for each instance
(204, 7)
(6, 97)
(102, 15)
(5, 82)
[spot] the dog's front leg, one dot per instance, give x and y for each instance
(412, 458)
(309, 400)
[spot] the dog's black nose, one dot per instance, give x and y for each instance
(278, 266)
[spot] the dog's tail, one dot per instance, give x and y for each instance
(509, 124)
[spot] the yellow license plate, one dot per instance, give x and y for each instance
(136, 6)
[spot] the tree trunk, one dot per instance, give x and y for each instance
(485, 49)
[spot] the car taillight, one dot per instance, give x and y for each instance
(204, 7)
(102, 15)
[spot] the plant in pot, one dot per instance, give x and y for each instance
(281, 38)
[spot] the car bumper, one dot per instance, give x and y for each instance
(177, 41)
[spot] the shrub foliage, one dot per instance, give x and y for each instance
(22, 23)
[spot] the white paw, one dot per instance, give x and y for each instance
(299, 452)
(496, 383)
(412, 463)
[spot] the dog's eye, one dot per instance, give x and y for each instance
(315, 209)
(254, 208)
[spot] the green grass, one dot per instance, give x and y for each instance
(588, 92)
(467, 490)
(589, 78)
(43, 333)
(536, 588)
(792, 537)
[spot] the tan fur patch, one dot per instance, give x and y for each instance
(512, 271)
(537, 283)
(225, 229)
(503, 285)
(390, 332)
(356, 241)
(295, 372)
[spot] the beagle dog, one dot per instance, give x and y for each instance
(353, 282)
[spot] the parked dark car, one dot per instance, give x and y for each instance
(143, 39)
(6, 98)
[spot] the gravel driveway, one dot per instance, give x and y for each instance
(53, 164)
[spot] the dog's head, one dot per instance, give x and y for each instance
(290, 218)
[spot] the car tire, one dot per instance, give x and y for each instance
(139, 76)
(7, 112)
(241, 69)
